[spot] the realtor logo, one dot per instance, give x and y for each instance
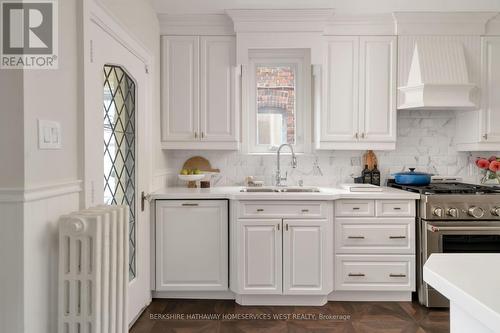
(29, 34)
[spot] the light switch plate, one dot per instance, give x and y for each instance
(49, 134)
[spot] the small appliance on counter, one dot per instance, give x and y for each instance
(197, 169)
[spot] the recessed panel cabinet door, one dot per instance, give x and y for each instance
(307, 257)
(191, 245)
(340, 112)
(259, 256)
(377, 94)
(217, 106)
(491, 90)
(180, 88)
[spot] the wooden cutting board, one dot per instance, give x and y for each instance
(370, 159)
(198, 162)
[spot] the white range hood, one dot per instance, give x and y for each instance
(438, 78)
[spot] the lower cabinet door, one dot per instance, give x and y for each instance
(191, 245)
(259, 256)
(307, 257)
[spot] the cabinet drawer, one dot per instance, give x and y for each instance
(372, 272)
(372, 235)
(282, 209)
(395, 207)
(355, 208)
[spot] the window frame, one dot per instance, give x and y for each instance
(300, 60)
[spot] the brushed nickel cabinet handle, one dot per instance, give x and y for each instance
(260, 209)
(356, 274)
(397, 237)
(356, 208)
(196, 135)
(286, 227)
(485, 136)
(190, 204)
(305, 210)
(278, 226)
(202, 135)
(397, 275)
(363, 135)
(356, 136)
(396, 208)
(356, 237)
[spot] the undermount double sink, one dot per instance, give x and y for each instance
(280, 189)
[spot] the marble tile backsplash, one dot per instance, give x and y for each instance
(425, 140)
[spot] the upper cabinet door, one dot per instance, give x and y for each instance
(339, 116)
(180, 88)
(217, 83)
(377, 94)
(307, 257)
(491, 89)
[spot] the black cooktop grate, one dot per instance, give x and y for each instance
(448, 188)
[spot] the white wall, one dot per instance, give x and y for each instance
(28, 241)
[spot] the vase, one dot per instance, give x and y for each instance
(490, 178)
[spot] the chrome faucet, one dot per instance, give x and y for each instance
(280, 179)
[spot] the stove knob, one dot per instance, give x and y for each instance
(438, 211)
(453, 212)
(476, 212)
(495, 211)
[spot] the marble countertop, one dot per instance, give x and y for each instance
(470, 280)
(234, 193)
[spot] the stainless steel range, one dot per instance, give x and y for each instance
(453, 218)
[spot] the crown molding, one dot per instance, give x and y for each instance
(195, 24)
(361, 24)
(442, 23)
(280, 20)
(493, 26)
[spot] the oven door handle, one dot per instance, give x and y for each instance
(433, 228)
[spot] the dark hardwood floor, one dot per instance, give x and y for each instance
(172, 315)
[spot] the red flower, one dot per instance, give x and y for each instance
(495, 166)
(492, 158)
(483, 163)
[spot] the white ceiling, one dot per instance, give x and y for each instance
(341, 6)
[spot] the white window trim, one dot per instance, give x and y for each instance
(300, 58)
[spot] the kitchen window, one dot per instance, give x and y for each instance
(278, 108)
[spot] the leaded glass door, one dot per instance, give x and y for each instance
(119, 147)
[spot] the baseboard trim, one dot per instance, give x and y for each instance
(194, 294)
(281, 300)
(40, 192)
(370, 296)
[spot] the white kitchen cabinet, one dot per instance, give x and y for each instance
(273, 256)
(191, 245)
(305, 243)
(199, 93)
(260, 256)
(180, 78)
(479, 130)
(359, 93)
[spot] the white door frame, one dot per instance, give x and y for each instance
(94, 13)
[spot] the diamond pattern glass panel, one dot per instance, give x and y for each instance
(119, 147)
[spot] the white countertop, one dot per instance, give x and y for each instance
(471, 280)
(234, 193)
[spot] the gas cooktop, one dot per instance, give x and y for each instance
(448, 188)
